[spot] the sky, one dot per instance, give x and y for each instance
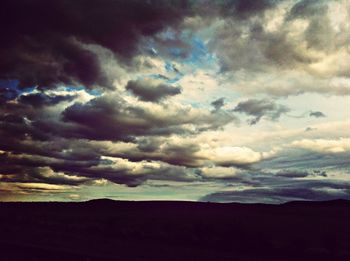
(221, 101)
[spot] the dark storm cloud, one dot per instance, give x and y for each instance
(218, 104)
(75, 170)
(238, 9)
(35, 169)
(261, 108)
(112, 118)
(310, 190)
(58, 42)
(292, 174)
(41, 99)
(183, 155)
(306, 8)
(44, 41)
(319, 31)
(251, 6)
(30, 168)
(289, 173)
(48, 147)
(72, 153)
(13, 160)
(20, 119)
(43, 38)
(174, 154)
(158, 149)
(15, 127)
(107, 119)
(118, 176)
(8, 90)
(150, 91)
(317, 114)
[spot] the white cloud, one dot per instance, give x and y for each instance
(126, 166)
(47, 172)
(230, 155)
(324, 145)
(219, 172)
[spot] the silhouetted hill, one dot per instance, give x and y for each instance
(104, 229)
(329, 203)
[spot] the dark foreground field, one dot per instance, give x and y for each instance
(112, 230)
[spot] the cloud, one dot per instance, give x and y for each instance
(184, 151)
(44, 41)
(292, 82)
(25, 168)
(292, 38)
(38, 187)
(261, 108)
(310, 190)
(321, 173)
(132, 174)
(128, 94)
(295, 173)
(237, 9)
(292, 174)
(219, 172)
(180, 153)
(151, 90)
(306, 8)
(317, 114)
(47, 175)
(226, 156)
(56, 46)
(242, 7)
(111, 117)
(310, 129)
(218, 104)
(42, 99)
(323, 145)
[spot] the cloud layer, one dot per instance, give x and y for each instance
(201, 100)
